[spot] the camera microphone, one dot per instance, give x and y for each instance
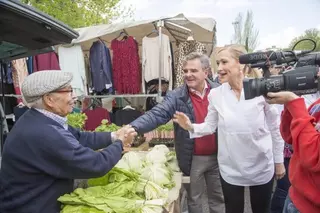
(264, 57)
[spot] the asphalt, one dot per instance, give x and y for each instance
(247, 206)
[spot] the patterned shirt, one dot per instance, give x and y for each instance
(60, 120)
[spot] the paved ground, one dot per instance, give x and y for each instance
(247, 206)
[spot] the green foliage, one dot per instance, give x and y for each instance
(77, 120)
(313, 34)
(166, 127)
(105, 127)
(82, 13)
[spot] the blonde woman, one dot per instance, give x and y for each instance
(250, 145)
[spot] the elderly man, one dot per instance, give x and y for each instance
(42, 154)
(197, 158)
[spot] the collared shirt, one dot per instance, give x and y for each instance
(61, 120)
(248, 136)
(200, 94)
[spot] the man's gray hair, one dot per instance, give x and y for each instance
(38, 104)
(204, 59)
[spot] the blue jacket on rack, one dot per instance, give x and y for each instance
(40, 160)
(100, 67)
(162, 113)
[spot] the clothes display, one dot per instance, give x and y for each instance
(71, 59)
(150, 60)
(100, 67)
(30, 64)
(184, 49)
(7, 75)
(88, 73)
(126, 115)
(19, 73)
(95, 116)
(126, 66)
(46, 61)
(10, 102)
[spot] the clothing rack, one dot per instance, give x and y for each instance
(99, 96)
(163, 23)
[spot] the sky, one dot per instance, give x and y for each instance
(278, 21)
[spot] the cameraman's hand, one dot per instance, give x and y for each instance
(280, 97)
(126, 134)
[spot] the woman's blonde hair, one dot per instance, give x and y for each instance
(236, 51)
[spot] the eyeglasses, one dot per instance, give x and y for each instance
(64, 91)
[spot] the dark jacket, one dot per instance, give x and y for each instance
(100, 66)
(176, 100)
(40, 160)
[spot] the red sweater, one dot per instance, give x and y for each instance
(298, 128)
(205, 145)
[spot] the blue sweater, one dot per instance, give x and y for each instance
(41, 159)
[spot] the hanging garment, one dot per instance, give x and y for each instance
(10, 102)
(186, 48)
(30, 64)
(95, 116)
(46, 61)
(126, 116)
(19, 73)
(100, 67)
(150, 60)
(7, 74)
(88, 73)
(126, 66)
(71, 60)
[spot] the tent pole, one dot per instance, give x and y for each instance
(3, 68)
(160, 25)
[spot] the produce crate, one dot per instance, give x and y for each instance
(169, 142)
(138, 141)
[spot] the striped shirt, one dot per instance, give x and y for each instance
(60, 120)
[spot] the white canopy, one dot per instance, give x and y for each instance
(203, 30)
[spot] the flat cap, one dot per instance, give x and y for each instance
(43, 82)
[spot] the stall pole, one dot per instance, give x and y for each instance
(3, 68)
(160, 25)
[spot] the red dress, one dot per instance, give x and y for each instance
(126, 66)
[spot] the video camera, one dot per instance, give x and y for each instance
(301, 79)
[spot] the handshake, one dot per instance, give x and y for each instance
(126, 135)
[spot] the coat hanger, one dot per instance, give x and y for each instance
(153, 31)
(190, 38)
(94, 104)
(21, 105)
(128, 107)
(124, 34)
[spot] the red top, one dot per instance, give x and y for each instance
(299, 128)
(46, 61)
(205, 145)
(126, 66)
(95, 117)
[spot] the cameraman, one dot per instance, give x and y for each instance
(300, 127)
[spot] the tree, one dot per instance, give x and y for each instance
(82, 13)
(245, 32)
(313, 34)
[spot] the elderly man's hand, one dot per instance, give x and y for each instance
(280, 97)
(126, 134)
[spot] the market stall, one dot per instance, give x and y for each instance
(179, 30)
(141, 182)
